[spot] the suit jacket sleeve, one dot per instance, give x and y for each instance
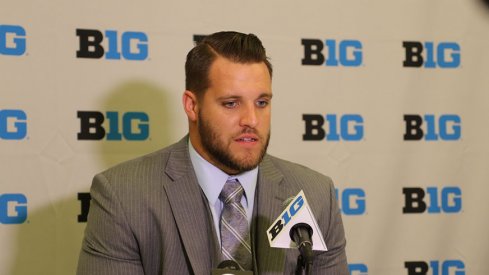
(109, 246)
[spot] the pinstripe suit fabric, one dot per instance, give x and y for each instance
(149, 216)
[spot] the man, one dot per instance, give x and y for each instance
(166, 213)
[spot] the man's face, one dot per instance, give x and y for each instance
(234, 116)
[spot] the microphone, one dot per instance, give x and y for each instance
(229, 264)
(296, 212)
(294, 229)
(229, 267)
(301, 234)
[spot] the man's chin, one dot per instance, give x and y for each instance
(247, 164)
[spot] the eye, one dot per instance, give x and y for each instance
(230, 104)
(262, 103)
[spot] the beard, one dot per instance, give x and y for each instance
(216, 148)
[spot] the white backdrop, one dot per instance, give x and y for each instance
(363, 99)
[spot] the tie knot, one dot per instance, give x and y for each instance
(231, 192)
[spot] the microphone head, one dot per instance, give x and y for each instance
(228, 264)
(298, 230)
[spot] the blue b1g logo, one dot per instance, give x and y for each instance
(13, 125)
(92, 128)
(441, 200)
(449, 267)
(13, 208)
(12, 40)
(91, 45)
(447, 127)
(347, 53)
(332, 127)
(358, 269)
(352, 201)
(431, 55)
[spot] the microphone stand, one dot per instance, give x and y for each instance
(299, 266)
(304, 263)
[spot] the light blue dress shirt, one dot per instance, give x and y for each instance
(212, 179)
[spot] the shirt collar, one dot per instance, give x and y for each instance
(212, 179)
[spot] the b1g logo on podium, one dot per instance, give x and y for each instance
(13, 125)
(352, 201)
(447, 127)
(448, 267)
(134, 126)
(12, 40)
(333, 127)
(346, 53)
(13, 208)
(431, 55)
(439, 200)
(132, 45)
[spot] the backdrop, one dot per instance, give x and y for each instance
(389, 98)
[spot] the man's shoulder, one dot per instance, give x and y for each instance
(150, 161)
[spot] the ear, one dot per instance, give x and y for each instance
(190, 105)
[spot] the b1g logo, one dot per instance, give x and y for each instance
(92, 128)
(352, 201)
(449, 267)
(13, 125)
(431, 55)
(286, 217)
(332, 127)
(444, 127)
(358, 269)
(12, 40)
(84, 199)
(133, 45)
(440, 200)
(13, 208)
(347, 53)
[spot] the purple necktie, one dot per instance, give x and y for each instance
(235, 234)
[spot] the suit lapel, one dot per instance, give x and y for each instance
(271, 193)
(189, 209)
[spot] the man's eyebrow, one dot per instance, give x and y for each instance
(227, 97)
(269, 95)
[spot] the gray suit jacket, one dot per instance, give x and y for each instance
(149, 216)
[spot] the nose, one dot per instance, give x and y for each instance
(249, 116)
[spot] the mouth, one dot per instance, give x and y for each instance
(247, 139)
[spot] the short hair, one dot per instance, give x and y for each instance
(235, 46)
